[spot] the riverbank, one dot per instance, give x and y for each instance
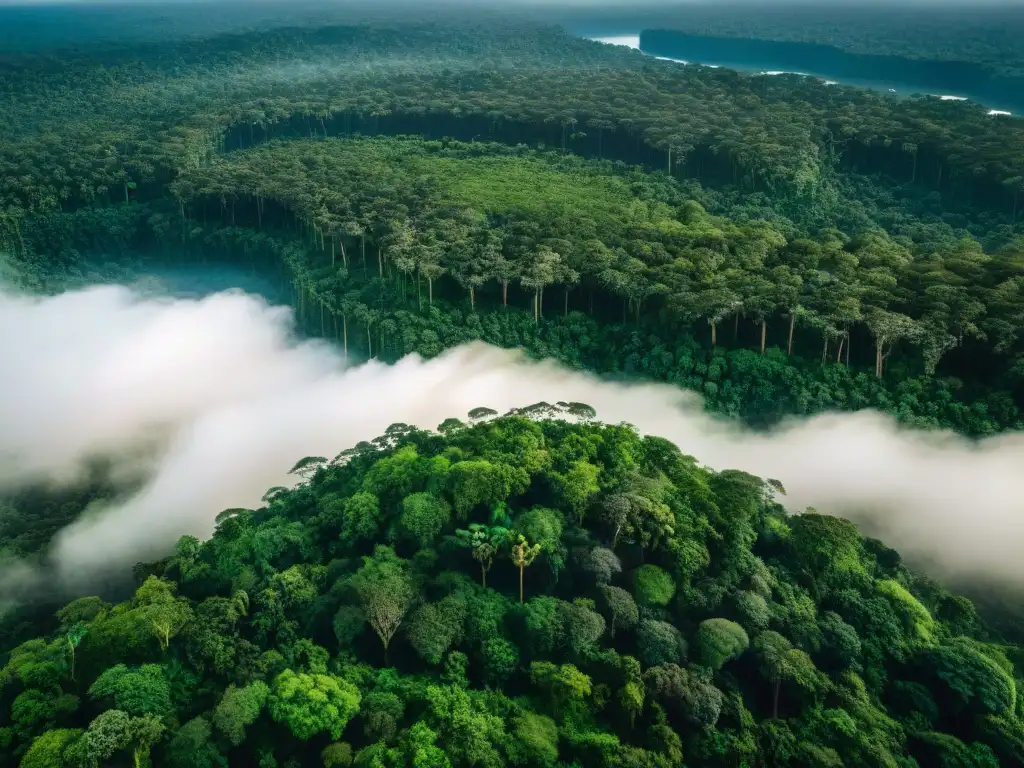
(735, 54)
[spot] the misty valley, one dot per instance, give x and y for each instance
(447, 388)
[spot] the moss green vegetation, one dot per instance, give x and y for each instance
(518, 592)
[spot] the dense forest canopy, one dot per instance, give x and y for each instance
(518, 592)
(173, 105)
(528, 591)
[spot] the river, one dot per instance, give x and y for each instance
(899, 89)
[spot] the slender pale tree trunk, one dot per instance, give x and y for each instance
(792, 327)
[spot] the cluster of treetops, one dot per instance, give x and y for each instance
(532, 590)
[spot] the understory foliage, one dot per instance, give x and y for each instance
(521, 591)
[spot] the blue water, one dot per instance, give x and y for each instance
(894, 88)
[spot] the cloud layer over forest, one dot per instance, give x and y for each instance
(215, 399)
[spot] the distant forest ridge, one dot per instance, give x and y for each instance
(984, 33)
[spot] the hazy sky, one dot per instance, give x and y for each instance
(552, 4)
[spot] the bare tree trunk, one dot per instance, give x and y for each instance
(520, 584)
(472, 298)
(714, 335)
(792, 327)
(504, 293)
(764, 334)
(775, 699)
(344, 330)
